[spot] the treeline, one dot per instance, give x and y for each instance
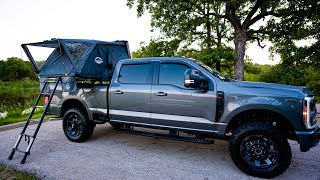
(308, 76)
(13, 69)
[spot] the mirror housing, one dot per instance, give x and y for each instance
(194, 79)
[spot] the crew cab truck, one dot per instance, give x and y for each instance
(181, 94)
(98, 82)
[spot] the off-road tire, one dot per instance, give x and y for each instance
(84, 126)
(265, 131)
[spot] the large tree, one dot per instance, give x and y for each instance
(191, 24)
(171, 15)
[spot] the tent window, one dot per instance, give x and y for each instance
(78, 50)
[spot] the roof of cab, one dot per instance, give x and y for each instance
(156, 58)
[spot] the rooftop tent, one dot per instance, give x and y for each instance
(78, 57)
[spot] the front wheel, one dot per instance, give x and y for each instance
(76, 126)
(260, 150)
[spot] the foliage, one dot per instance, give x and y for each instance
(15, 97)
(209, 56)
(300, 21)
(16, 69)
(157, 48)
(253, 72)
(195, 20)
(18, 95)
(307, 76)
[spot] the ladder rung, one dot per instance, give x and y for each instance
(48, 94)
(51, 81)
(40, 106)
(28, 135)
(35, 120)
(19, 150)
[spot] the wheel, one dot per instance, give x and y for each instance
(260, 150)
(116, 125)
(76, 125)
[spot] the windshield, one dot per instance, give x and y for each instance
(212, 71)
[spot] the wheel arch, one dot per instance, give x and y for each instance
(74, 103)
(266, 115)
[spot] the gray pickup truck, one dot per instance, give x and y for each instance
(99, 83)
(184, 95)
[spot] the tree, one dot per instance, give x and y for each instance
(160, 47)
(157, 48)
(170, 16)
(16, 69)
(300, 21)
(191, 24)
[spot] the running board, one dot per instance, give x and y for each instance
(170, 136)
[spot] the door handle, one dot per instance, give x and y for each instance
(160, 94)
(117, 92)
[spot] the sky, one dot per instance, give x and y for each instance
(26, 21)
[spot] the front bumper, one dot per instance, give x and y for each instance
(308, 139)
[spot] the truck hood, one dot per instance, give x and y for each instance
(273, 86)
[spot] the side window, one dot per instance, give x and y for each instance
(134, 73)
(172, 74)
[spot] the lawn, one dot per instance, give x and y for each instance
(8, 173)
(16, 98)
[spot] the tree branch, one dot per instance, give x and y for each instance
(251, 13)
(216, 15)
(251, 32)
(263, 15)
(259, 43)
(230, 15)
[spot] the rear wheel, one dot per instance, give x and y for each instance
(259, 149)
(76, 125)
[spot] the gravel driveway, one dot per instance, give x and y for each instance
(114, 155)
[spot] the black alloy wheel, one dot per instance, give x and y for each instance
(260, 149)
(76, 125)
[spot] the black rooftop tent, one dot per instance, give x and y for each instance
(78, 57)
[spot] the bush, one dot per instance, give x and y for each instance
(293, 75)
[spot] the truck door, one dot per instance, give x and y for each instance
(130, 93)
(174, 105)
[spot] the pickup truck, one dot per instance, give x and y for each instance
(184, 95)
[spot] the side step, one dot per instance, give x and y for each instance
(171, 136)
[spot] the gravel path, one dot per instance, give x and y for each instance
(113, 155)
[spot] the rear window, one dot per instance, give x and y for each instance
(134, 73)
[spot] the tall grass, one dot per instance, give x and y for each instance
(15, 97)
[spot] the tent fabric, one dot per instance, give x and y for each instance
(84, 58)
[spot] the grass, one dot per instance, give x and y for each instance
(9, 173)
(18, 118)
(17, 96)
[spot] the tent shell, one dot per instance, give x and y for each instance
(76, 65)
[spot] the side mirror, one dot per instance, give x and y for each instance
(194, 79)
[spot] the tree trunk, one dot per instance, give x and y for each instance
(240, 47)
(218, 66)
(219, 44)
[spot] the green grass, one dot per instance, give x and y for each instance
(18, 118)
(9, 173)
(17, 96)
